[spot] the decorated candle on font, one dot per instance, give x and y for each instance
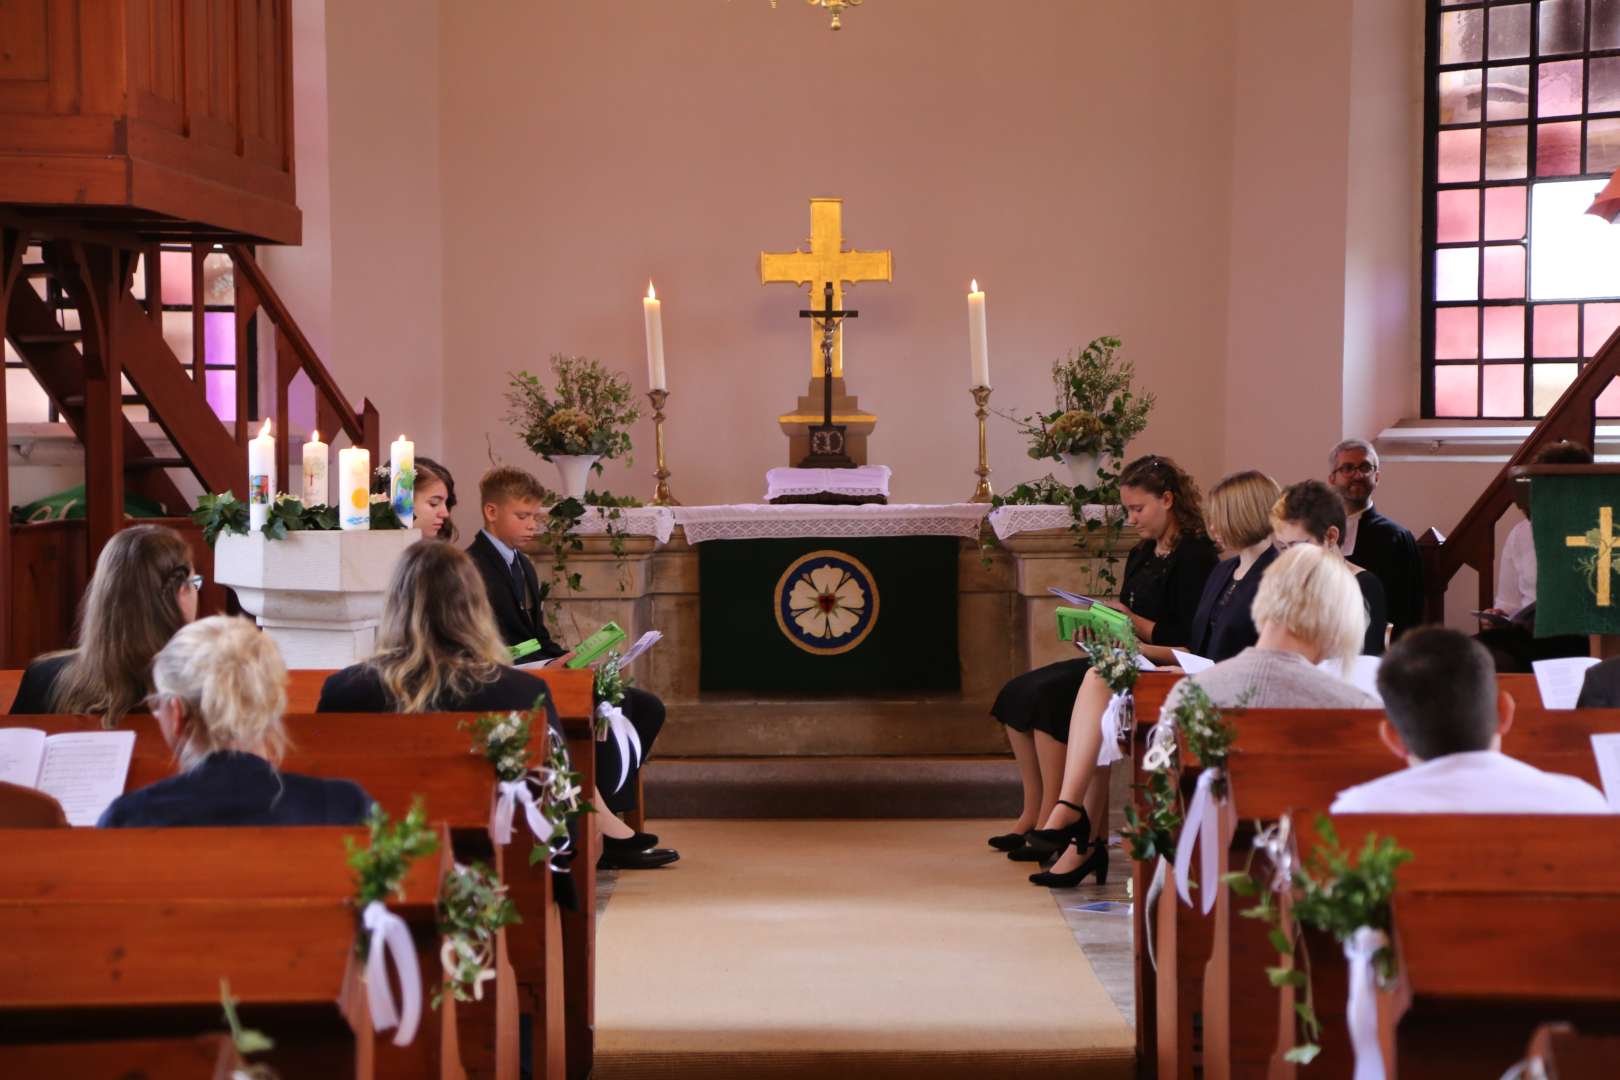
(261, 477)
(402, 479)
(354, 488)
(978, 339)
(651, 307)
(317, 460)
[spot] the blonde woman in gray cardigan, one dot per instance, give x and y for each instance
(1308, 609)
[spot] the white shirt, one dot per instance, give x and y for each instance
(1516, 578)
(508, 552)
(1478, 782)
(1352, 525)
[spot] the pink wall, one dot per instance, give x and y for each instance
(1075, 158)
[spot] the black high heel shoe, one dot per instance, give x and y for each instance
(1079, 832)
(1096, 862)
(1009, 841)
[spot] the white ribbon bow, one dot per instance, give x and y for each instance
(1109, 752)
(391, 937)
(624, 734)
(1361, 1012)
(1161, 746)
(1150, 914)
(508, 794)
(1202, 828)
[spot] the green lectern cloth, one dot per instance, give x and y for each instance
(835, 615)
(1577, 554)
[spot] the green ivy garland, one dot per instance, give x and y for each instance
(473, 908)
(226, 513)
(1196, 723)
(380, 867)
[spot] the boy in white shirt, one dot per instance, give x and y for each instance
(1446, 719)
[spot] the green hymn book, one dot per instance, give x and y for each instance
(1577, 553)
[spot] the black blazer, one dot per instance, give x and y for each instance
(358, 689)
(515, 625)
(1222, 634)
(230, 788)
(1601, 688)
(38, 684)
(1390, 551)
(1167, 590)
(1372, 595)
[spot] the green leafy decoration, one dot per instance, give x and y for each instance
(220, 513)
(246, 1040)
(381, 866)
(473, 908)
(589, 410)
(503, 740)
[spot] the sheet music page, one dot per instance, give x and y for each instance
(21, 751)
(1560, 680)
(1606, 748)
(1363, 673)
(643, 643)
(1072, 599)
(85, 771)
(1192, 663)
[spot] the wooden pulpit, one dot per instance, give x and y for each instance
(1573, 511)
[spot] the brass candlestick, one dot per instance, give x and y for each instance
(661, 495)
(981, 398)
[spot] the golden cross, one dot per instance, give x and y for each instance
(1605, 542)
(826, 261)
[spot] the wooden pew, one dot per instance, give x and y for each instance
(205, 1057)
(1564, 1053)
(1500, 924)
(127, 933)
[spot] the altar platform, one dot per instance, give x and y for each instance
(1000, 568)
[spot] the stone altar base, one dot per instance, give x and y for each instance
(1005, 626)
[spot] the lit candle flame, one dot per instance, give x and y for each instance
(401, 437)
(975, 287)
(264, 432)
(315, 436)
(652, 294)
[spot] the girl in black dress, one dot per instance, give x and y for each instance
(1163, 581)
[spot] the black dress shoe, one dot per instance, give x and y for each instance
(637, 860)
(1096, 862)
(639, 842)
(1008, 841)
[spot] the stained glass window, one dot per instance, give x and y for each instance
(1521, 286)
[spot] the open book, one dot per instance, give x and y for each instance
(83, 770)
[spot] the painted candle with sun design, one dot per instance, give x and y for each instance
(354, 488)
(826, 603)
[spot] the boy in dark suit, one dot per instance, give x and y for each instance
(511, 499)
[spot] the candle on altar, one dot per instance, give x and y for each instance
(261, 477)
(317, 461)
(402, 479)
(354, 488)
(651, 307)
(978, 339)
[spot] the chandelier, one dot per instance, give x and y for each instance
(835, 7)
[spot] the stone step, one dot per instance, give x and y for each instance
(757, 726)
(832, 787)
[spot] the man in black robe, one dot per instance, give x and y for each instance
(1374, 542)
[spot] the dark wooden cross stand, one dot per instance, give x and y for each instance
(827, 443)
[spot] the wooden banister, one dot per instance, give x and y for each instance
(295, 354)
(1473, 541)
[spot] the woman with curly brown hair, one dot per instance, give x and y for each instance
(1162, 585)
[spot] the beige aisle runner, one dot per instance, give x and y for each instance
(845, 949)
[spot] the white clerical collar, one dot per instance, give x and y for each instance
(1355, 515)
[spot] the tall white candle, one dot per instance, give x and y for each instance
(317, 460)
(261, 477)
(354, 488)
(402, 479)
(650, 307)
(978, 339)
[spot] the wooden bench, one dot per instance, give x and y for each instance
(205, 1057)
(1500, 924)
(127, 934)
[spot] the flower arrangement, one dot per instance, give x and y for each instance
(473, 907)
(1114, 661)
(589, 411)
(226, 513)
(503, 740)
(1330, 893)
(1196, 723)
(380, 867)
(1096, 411)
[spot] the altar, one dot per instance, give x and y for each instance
(983, 588)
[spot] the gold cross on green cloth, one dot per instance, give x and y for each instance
(1604, 541)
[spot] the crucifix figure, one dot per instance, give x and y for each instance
(1604, 541)
(827, 441)
(826, 265)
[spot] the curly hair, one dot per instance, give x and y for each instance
(1159, 475)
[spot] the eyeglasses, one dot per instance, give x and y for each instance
(1360, 468)
(195, 581)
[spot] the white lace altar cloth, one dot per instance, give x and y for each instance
(655, 521)
(866, 480)
(1012, 520)
(764, 522)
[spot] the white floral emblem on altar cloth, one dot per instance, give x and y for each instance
(826, 602)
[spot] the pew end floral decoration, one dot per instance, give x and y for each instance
(1193, 724)
(473, 909)
(609, 691)
(1331, 892)
(380, 867)
(1117, 664)
(549, 794)
(379, 872)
